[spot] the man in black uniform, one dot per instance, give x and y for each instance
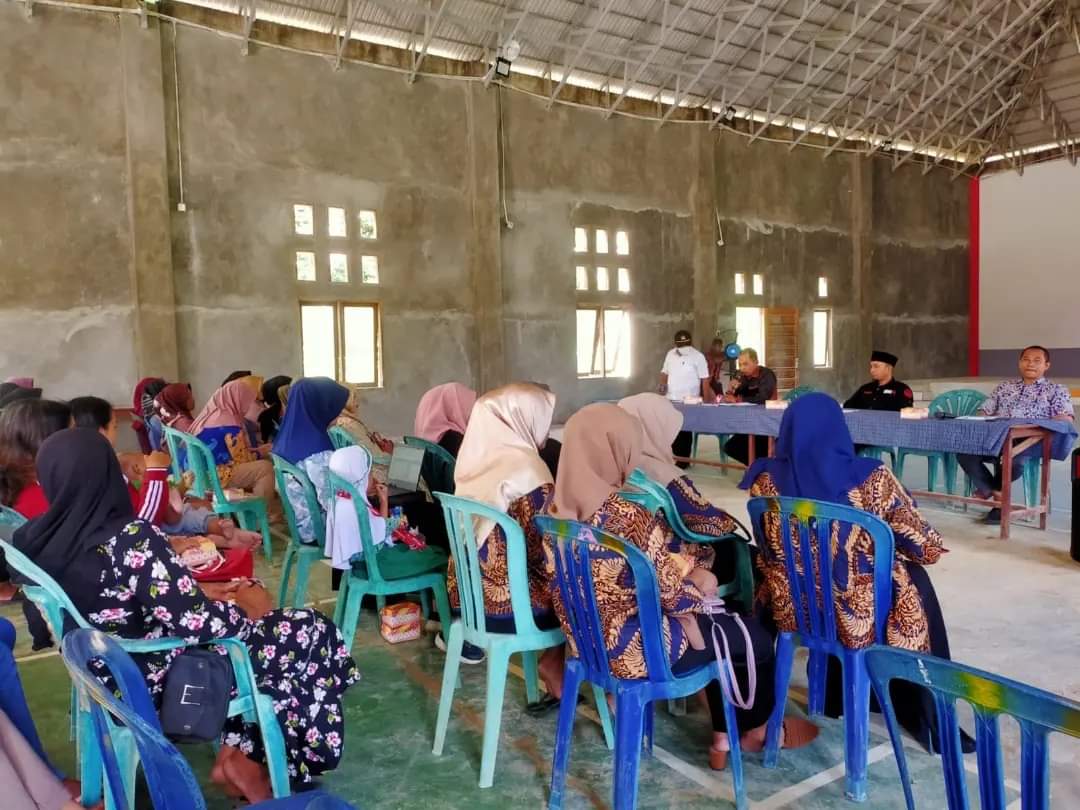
(884, 392)
(757, 384)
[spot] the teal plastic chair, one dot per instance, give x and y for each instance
(1038, 714)
(576, 547)
(471, 627)
(169, 780)
(879, 452)
(722, 438)
(302, 555)
(253, 706)
(798, 391)
(961, 402)
(387, 571)
(741, 586)
(250, 511)
(438, 468)
(9, 517)
(339, 437)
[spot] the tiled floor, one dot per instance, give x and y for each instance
(1011, 607)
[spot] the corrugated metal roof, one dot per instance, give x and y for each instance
(957, 82)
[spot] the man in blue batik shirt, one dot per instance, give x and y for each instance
(1030, 397)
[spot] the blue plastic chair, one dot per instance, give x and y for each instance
(576, 546)
(340, 438)
(741, 586)
(255, 707)
(169, 780)
(250, 511)
(1038, 713)
(387, 571)
(471, 627)
(811, 523)
(798, 391)
(303, 555)
(9, 517)
(438, 468)
(961, 402)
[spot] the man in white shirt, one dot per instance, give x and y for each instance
(685, 374)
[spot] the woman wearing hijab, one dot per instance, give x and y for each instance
(343, 544)
(122, 575)
(500, 465)
(222, 425)
(350, 421)
(175, 406)
(142, 410)
(815, 458)
(11, 393)
(602, 445)
(302, 441)
(270, 418)
(443, 414)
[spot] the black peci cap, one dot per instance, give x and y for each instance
(884, 357)
(682, 338)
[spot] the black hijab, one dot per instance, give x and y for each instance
(9, 392)
(270, 418)
(88, 500)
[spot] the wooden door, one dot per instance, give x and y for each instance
(782, 345)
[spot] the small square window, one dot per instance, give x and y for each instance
(581, 240)
(601, 241)
(305, 265)
(369, 269)
(339, 268)
(740, 284)
(823, 287)
(368, 227)
(624, 279)
(759, 284)
(335, 222)
(622, 243)
(603, 282)
(582, 278)
(304, 220)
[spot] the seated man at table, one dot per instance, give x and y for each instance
(685, 374)
(1030, 397)
(884, 392)
(754, 383)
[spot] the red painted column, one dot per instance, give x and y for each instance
(973, 277)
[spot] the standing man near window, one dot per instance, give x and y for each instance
(1030, 397)
(685, 374)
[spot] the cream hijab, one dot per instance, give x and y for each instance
(499, 460)
(601, 447)
(661, 422)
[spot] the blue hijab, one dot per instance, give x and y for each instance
(314, 402)
(815, 457)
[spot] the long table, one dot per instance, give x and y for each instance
(1006, 438)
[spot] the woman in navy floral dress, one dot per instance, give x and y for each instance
(124, 577)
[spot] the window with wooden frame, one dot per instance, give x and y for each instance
(331, 244)
(342, 340)
(603, 275)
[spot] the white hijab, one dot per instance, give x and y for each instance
(342, 527)
(499, 460)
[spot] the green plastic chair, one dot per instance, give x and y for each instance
(471, 627)
(798, 391)
(9, 517)
(877, 451)
(386, 572)
(250, 511)
(340, 437)
(741, 586)
(256, 708)
(722, 438)
(961, 402)
(438, 468)
(303, 555)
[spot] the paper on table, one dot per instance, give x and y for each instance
(976, 418)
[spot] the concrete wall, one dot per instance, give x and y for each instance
(1029, 246)
(463, 295)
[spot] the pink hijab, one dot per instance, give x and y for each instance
(443, 408)
(22, 382)
(228, 407)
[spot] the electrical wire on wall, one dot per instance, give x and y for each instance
(502, 158)
(180, 205)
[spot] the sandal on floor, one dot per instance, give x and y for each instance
(717, 759)
(546, 704)
(794, 733)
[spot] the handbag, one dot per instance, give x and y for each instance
(196, 699)
(728, 682)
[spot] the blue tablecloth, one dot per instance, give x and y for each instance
(982, 438)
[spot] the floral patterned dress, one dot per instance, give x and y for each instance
(881, 494)
(134, 586)
(495, 576)
(616, 598)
